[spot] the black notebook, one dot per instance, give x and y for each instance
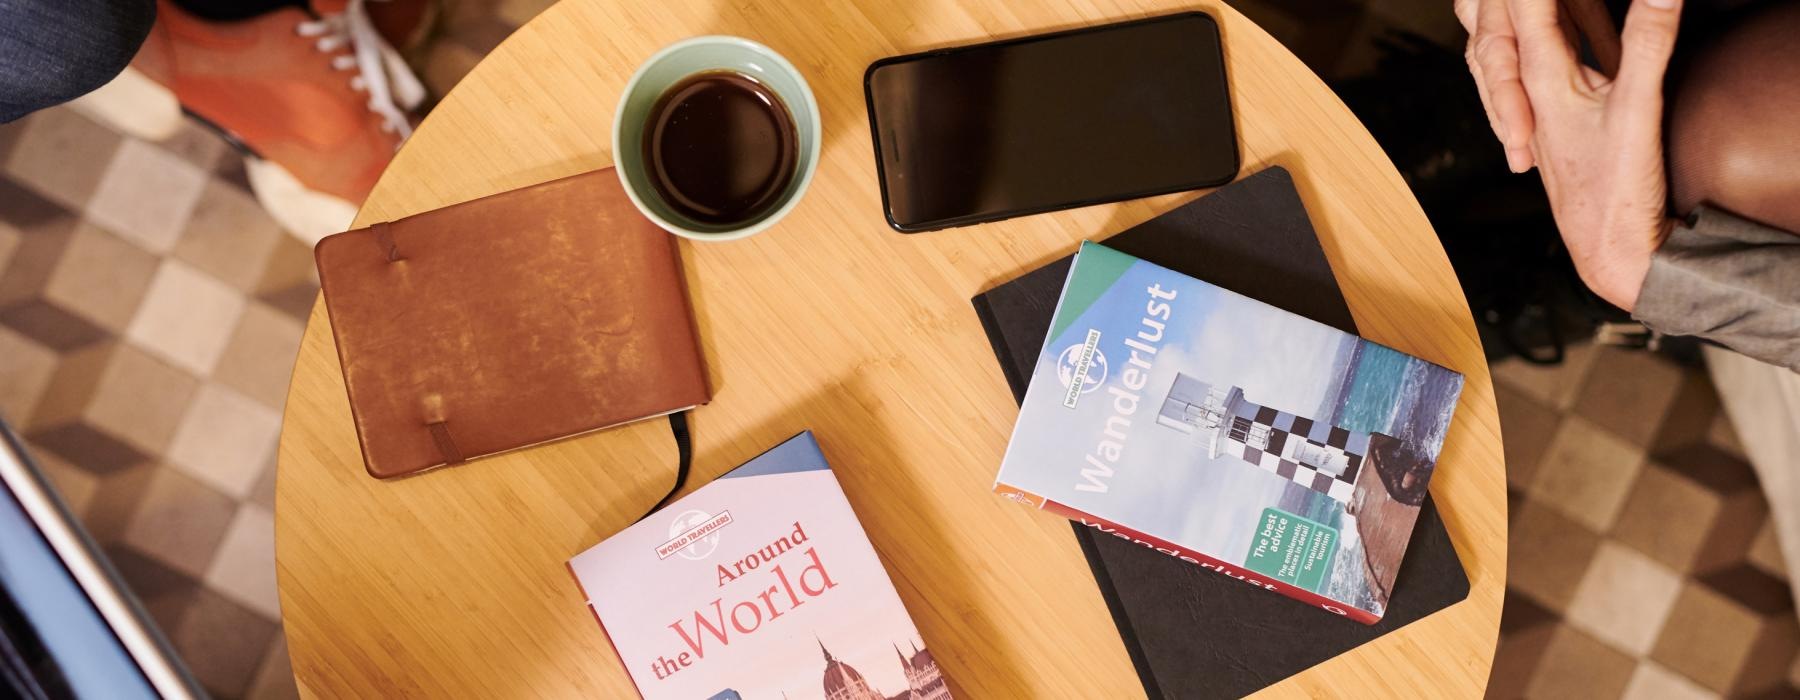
(1191, 632)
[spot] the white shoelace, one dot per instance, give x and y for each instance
(380, 71)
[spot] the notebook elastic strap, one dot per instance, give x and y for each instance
(684, 455)
(440, 434)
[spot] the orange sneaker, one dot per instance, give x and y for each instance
(407, 25)
(317, 100)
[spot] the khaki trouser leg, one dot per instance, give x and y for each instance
(1763, 403)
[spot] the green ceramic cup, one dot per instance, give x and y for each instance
(680, 60)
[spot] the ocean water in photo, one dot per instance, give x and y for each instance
(1382, 391)
(1376, 390)
(1399, 396)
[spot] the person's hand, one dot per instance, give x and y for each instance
(1597, 142)
(1493, 56)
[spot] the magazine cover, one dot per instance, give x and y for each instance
(1228, 433)
(760, 585)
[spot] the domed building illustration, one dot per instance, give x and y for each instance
(842, 682)
(925, 682)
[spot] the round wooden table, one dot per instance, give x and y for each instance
(453, 583)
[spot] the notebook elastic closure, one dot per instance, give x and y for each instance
(440, 429)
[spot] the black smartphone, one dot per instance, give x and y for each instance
(986, 132)
(1053, 121)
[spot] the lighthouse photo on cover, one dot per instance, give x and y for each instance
(1228, 432)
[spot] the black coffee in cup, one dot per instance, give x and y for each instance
(720, 147)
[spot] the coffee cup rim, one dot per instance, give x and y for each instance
(809, 151)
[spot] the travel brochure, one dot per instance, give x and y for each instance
(759, 585)
(1228, 433)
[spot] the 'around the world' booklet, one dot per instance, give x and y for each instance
(1229, 433)
(759, 585)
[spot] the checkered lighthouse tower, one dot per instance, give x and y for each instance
(1319, 456)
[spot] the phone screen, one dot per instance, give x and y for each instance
(1049, 122)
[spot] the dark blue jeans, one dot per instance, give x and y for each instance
(53, 51)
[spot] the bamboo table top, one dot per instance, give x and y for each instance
(453, 583)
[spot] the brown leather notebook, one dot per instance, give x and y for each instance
(508, 321)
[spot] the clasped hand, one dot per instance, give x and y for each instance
(1594, 135)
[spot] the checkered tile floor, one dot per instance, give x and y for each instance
(150, 312)
(149, 317)
(1641, 562)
